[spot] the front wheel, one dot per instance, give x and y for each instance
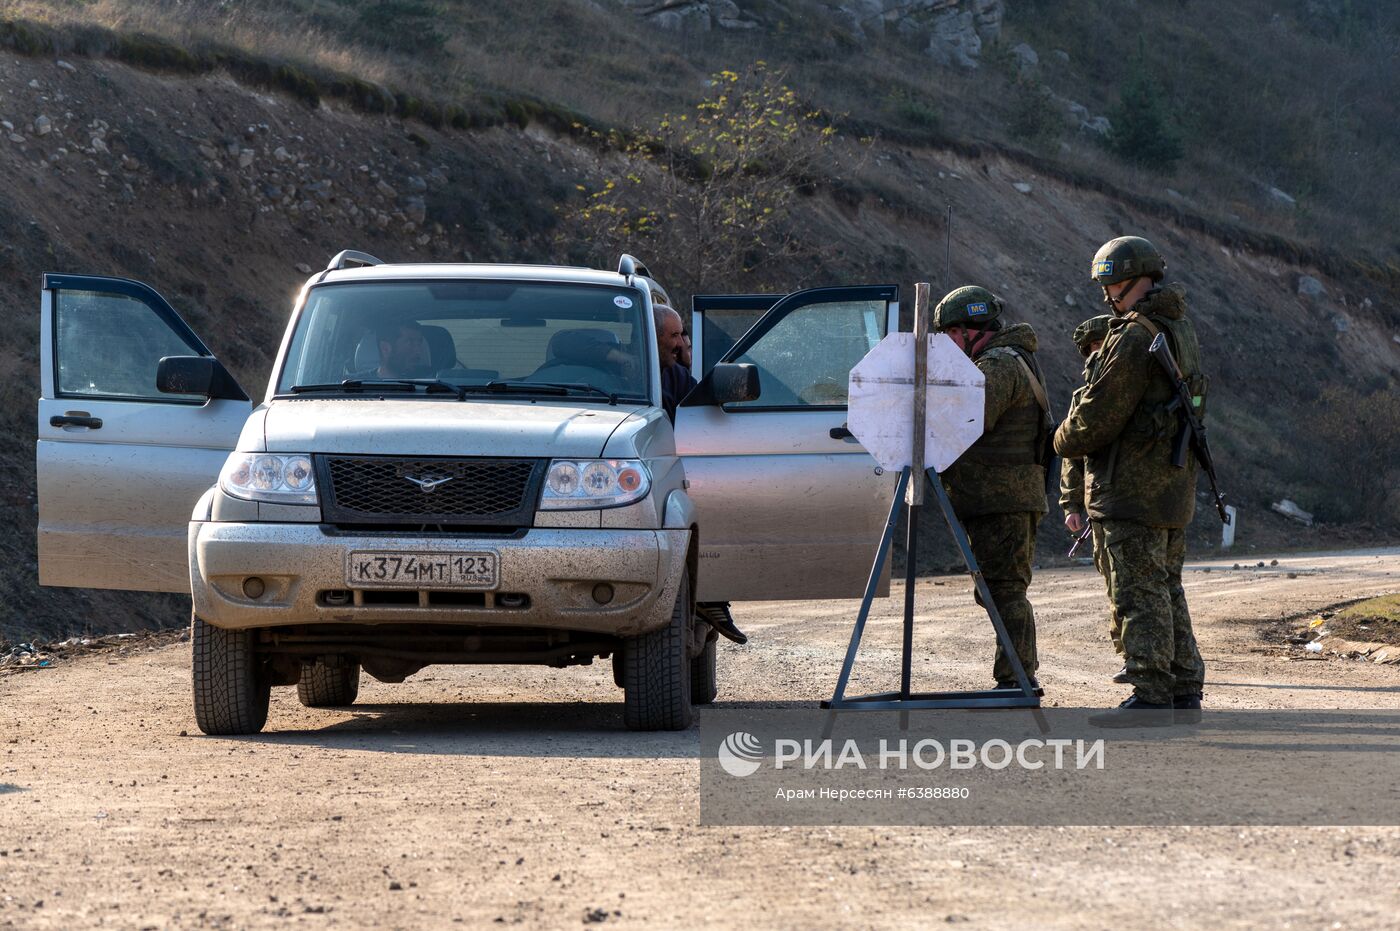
(704, 681)
(231, 687)
(656, 672)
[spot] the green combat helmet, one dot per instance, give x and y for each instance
(1127, 257)
(968, 306)
(1093, 330)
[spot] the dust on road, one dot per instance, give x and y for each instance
(513, 795)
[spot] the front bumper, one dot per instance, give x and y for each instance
(556, 569)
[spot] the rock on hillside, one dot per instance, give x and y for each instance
(951, 31)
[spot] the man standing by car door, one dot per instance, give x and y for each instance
(676, 383)
(997, 487)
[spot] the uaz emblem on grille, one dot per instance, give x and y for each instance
(430, 483)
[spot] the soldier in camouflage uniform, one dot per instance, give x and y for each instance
(997, 487)
(1089, 337)
(1120, 425)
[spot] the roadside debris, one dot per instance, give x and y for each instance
(24, 656)
(27, 657)
(1290, 510)
(1367, 630)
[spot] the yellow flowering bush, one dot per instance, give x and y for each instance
(705, 194)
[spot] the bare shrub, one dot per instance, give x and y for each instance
(711, 188)
(1361, 436)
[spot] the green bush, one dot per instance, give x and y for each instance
(1035, 118)
(150, 52)
(24, 38)
(299, 84)
(1143, 130)
(912, 110)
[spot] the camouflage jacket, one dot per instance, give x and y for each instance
(1120, 427)
(1072, 478)
(1072, 470)
(999, 474)
(1072, 486)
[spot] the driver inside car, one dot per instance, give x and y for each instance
(403, 351)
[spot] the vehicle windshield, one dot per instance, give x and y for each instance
(518, 337)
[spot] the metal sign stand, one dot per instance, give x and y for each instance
(913, 482)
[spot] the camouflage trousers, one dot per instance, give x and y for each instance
(1144, 587)
(1004, 546)
(1115, 626)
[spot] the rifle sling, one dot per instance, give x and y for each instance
(1133, 316)
(1036, 387)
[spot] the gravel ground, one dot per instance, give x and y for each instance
(513, 795)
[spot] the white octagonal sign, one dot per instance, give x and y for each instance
(882, 402)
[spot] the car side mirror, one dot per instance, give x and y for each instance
(734, 381)
(202, 375)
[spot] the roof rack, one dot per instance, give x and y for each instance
(347, 258)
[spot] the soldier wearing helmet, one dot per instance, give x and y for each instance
(1122, 428)
(997, 487)
(1089, 337)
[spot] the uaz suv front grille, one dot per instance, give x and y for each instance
(395, 490)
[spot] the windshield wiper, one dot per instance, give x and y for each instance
(520, 387)
(360, 384)
(431, 384)
(566, 387)
(356, 384)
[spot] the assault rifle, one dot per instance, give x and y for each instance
(1193, 430)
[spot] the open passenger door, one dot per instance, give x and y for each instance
(120, 463)
(790, 505)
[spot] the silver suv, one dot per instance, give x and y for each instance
(456, 464)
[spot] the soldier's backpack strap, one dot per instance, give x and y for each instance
(1037, 388)
(1045, 439)
(1133, 316)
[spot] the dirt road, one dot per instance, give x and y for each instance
(501, 795)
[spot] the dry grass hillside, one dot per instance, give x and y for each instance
(216, 155)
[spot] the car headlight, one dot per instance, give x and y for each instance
(581, 484)
(277, 478)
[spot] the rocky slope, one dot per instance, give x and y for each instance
(950, 31)
(224, 196)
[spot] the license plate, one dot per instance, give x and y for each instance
(422, 570)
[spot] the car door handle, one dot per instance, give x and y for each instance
(76, 419)
(841, 433)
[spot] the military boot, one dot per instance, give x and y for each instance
(1135, 713)
(1186, 708)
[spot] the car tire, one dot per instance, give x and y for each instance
(704, 687)
(329, 685)
(656, 672)
(619, 668)
(231, 687)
